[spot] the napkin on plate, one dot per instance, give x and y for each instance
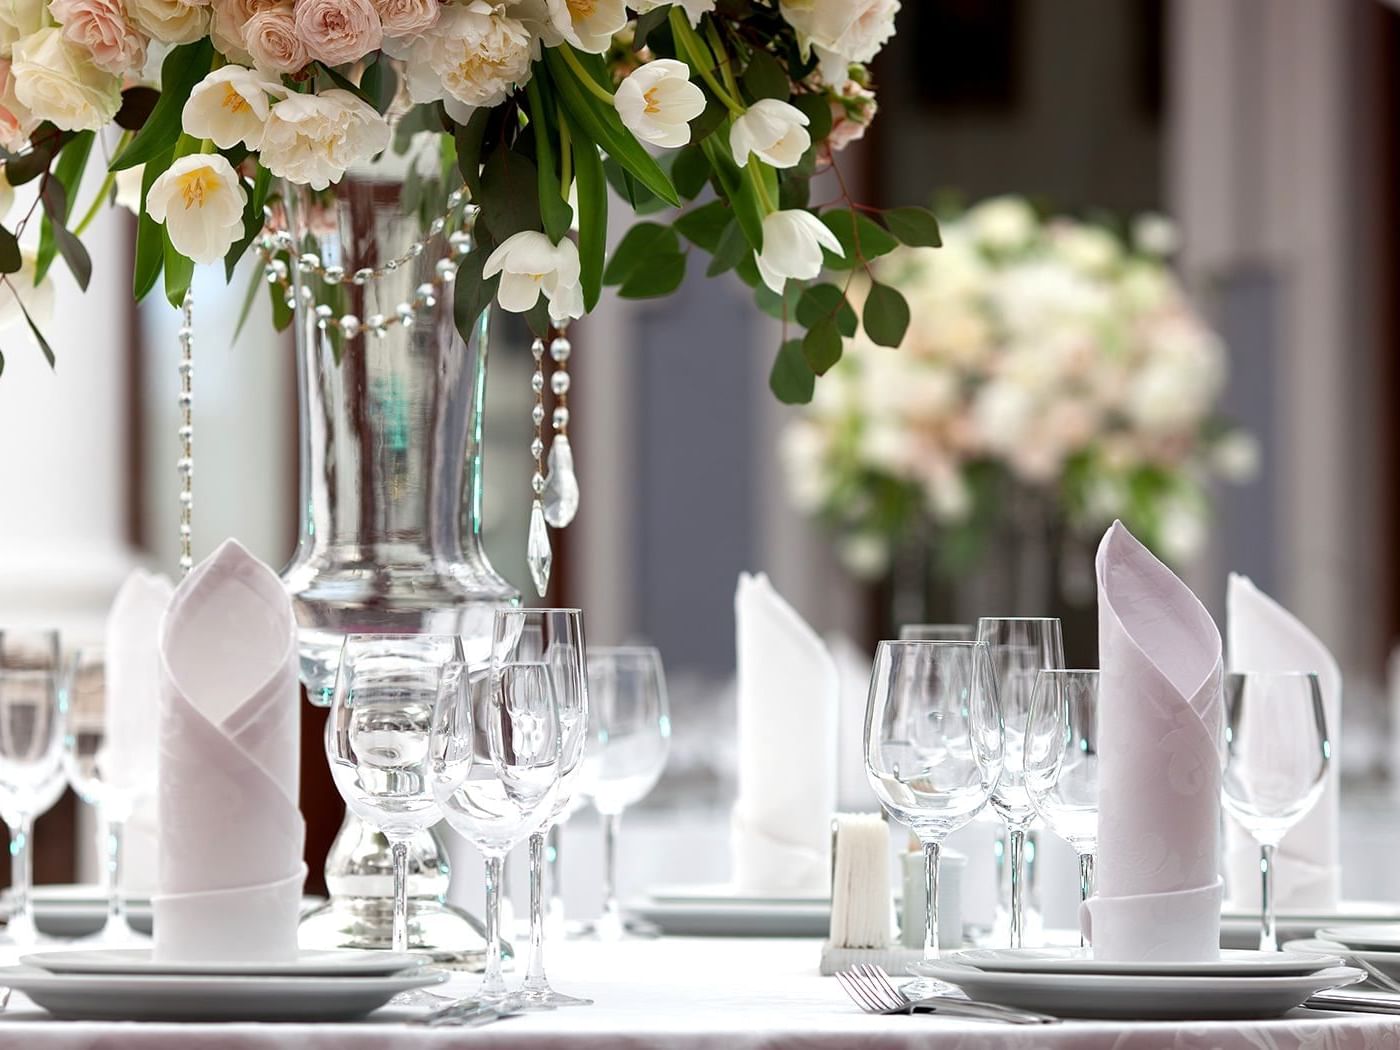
(231, 871)
(1264, 636)
(1158, 867)
(787, 700)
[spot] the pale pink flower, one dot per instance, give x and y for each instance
(16, 122)
(100, 27)
(407, 18)
(272, 40)
(338, 31)
(231, 18)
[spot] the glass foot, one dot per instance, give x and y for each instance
(422, 998)
(547, 998)
(630, 929)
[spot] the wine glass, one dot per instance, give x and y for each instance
(1276, 756)
(937, 632)
(1020, 648)
(553, 638)
(630, 725)
(1062, 762)
(377, 739)
(92, 770)
(497, 751)
(933, 746)
(31, 748)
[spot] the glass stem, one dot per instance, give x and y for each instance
(399, 850)
(931, 851)
(612, 911)
(1268, 935)
(21, 924)
(535, 980)
(1018, 865)
(112, 875)
(1086, 885)
(492, 983)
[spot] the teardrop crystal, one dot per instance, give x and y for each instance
(538, 553)
(560, 485)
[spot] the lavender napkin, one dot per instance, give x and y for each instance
(1158, 867)
(230, 871)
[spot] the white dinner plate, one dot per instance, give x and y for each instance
(1387, 963)
(308, 963)
(1240, 929)
(739, 918)
(1369, 937)
(1232, 963)
(725, 893)
(79, 909)
(1140, 996)
(165, 997)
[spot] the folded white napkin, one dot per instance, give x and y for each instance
(787, 701)
(231, 871)
(1264, 636)
(853, 791)
(1158, 867)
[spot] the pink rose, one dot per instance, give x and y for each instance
(271, 39)
(338, 31)
(100, 28)
(16, 122)
(405, 18)
(230, 20)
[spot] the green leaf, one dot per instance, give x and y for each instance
(821, 302)
(641, 244)
(183, 68)
(509, 196)
(56, 193)
(473, 293)
(860, 238)
(737, 188)
(469, 138)
(602, 123)
(248, 300)
(704, 226)
(765, 77)
(662, 275)
(916, 227)
(10, 259)
(625, 186)
(817, 108)
(710, 120)
(253, 220)
(647, 23)
(592, 217)
(886, 316)
(150, 237)
(380, 83)
(690, 171)
(554, 209)
(74, 254)
(794, 191)
(822, 346)
(43, 343)
(792, 379)
(732, 249)
(782, 307)
(179, 271)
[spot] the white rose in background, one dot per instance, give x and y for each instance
(230, 18)
(1236, 456)
(19, 19)
(37, 300)
(1155, 235)
(657, 102)
(230, 106)
(531, 265)
(475, 56)
(693, 8)
(1090, 249)
(1002, 223)
(171, 21)
(774, 131)
(865, 555)
(100, 27)
(792, 247)
(841, 31)
(312, 139)
(200, 200)
(55, 80)
(1002, 413)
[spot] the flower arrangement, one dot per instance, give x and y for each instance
(535, 107)
(1053, 358)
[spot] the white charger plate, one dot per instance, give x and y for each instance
(1387, 963)
(1141, 996)
(308, 963)
(1368, 937)
(1232, 963)
(167, 997)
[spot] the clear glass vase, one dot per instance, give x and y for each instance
(391, 412)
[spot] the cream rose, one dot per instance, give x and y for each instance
(312, 139)
(16, 122)
(200, 201)
(171, 21)
(272, 41)
(18, 19)
(56, 80)
(100, 28)
(338, 31)
(476, 56)
(231, 19)
(841, 31)
(407, 18)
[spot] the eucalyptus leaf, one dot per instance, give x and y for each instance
(639, 247)
(886, 316)
(820, 302)
(916, 227)
(662, 275)
(704, 226)
(509, 193)
(56, 193)
(732, 249)
(765, 77)
(792, 379)
(10, 258)
(136, 107)
(822, 346)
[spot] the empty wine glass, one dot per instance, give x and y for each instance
(630, 724)
(933, 747)
(937, 632)
(553, 638)
(496, 760)
(1276, 756)
(378, 735)
(1020, 648)
(31, 747)
(1062, 762)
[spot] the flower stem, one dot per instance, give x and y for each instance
(755, 171)
(726, 66)
(597, 89)
(566, 157)
(96, 206)
(694, 50)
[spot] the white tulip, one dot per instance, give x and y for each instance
(774, 131)
(792, 247)
(230, 106)
(530, 264)
(200, 200)
(592, 23)
(56, 80)
(693, 8)
(128, 183)
(312, 139)
(657, 102)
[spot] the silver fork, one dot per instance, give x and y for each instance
(870, 988)
(1390, 984)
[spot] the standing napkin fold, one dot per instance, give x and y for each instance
(787, 700)
(230, 872)
(1158, 866)
(1264, 636)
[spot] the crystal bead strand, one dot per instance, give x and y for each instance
(561, 485)
(537, 552)
(185, 464)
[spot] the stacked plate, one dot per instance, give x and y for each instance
(79, 910)
(130, 985)
(1070, 982)
(1239, 928)
(721, 911)
(1373, 947)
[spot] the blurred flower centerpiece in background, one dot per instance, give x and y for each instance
(1055, 376)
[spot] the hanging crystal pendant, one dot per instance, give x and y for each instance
(560, 484)
(537, 553)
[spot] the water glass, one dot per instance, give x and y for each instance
(630, 730)
(937, 632)
(933, 745)
(1276, 757)
(1020, 648)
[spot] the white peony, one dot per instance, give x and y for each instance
(38, 301)
(312, 139)
(792, 247)
(530, 264)
(200, 200)
(693, 8)
(172, 21)
(56, 80)
(657, 102)
(841, 31)
(475, 56)
(230, 106)
(19, 19)
(774, 131)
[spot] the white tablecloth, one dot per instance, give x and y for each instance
(688, 994)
